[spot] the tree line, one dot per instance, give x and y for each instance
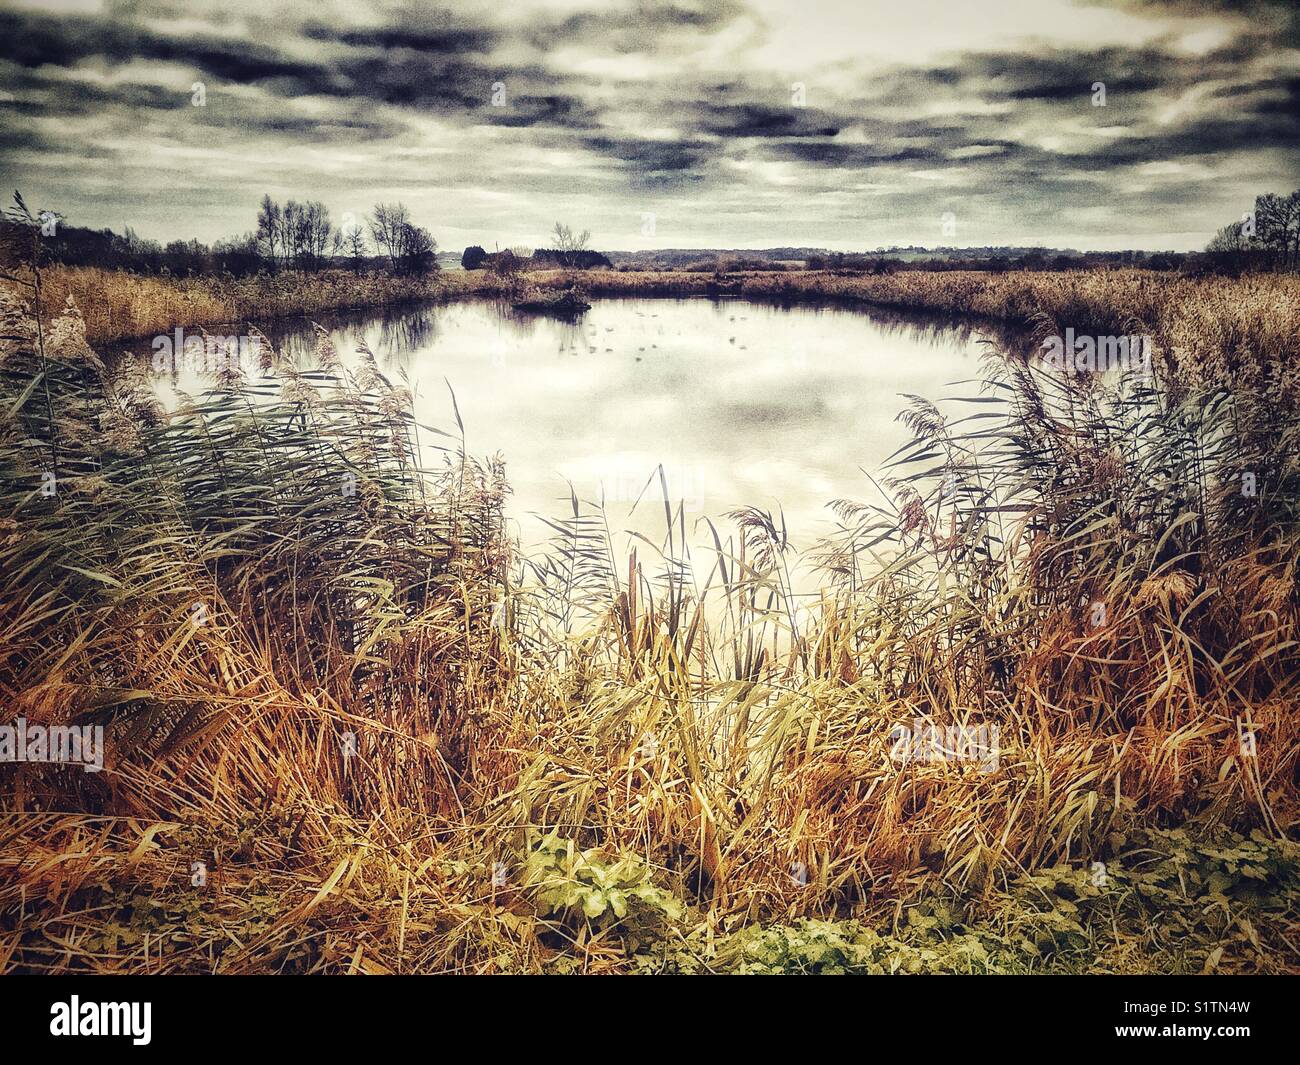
(570, 253)
(1266, 238)
(289, 236)
(301, 236)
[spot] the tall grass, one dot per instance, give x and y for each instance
(1220, 329)
(326, 673)
(120, 305)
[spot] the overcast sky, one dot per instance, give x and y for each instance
(492, 120)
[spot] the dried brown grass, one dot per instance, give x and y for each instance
(399, 614)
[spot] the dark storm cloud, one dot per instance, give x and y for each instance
(613, 107)
(1285, 14)
(852, 155)
(381, 73)
(656, 166)
(126, 102)
(1042, 87)
(764, 120)
(653, 155)
(36, 40)
(36, 95)
(14, 136)
(1069, 75)
(1202, 138)
(1071, 88)
(641, 26)
(554, 109)
(439, 34)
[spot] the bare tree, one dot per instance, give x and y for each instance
(1294, 253)
(354, 243)
(386, 229)
(293, 232)
(1277, 226)
(418, 249)
(1230, 240)
(568, 244)
(318, 233)
(1269, 237)
(1231, 248)
(410, 248)
(269, 230)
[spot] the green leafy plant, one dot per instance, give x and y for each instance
(605, 891)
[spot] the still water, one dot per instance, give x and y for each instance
(741, 403)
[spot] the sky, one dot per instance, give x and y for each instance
(846, 124)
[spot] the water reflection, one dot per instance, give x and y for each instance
(398, 331)
(741, 402)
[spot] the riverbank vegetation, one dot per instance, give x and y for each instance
(1212, 327)
(1236, 301)
(350, 729)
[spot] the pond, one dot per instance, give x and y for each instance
(741, 403)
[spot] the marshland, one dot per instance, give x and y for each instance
(568, 611)
(353, 724)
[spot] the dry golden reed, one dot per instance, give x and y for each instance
(340, 707)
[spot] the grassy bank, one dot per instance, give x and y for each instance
(349, 729)
(1180, 905)
(1202, 324)
(1214, 325)
(119, 305)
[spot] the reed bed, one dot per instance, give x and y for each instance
(351, 729)
(1237, 328)
(121, 305)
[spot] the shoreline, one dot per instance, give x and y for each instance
(1210, 327)
(1006, 332)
